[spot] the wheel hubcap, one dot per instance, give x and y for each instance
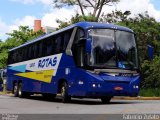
(19, 91)
(15, 89)
(62, 91)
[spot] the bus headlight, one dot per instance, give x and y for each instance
(135, 86)
(94, 85)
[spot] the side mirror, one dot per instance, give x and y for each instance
(150, 52)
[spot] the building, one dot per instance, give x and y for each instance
(38, 26)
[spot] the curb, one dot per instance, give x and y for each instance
(8, 93)
(114, 98)
(137, 98)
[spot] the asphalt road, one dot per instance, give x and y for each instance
(37, 105)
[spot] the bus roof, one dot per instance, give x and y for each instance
(84, 25)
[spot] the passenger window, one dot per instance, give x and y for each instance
(49, 46)
(67, 36)
(41, 49)
(24, 54)
(31, 52)
(58, 44)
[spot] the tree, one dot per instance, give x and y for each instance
(24, 34)
(16, 38)
(116, 16)
(75, 19)
(151, 76)
(95, 6)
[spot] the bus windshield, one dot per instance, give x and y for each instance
(112, 49)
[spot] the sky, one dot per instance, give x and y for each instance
(14, 13)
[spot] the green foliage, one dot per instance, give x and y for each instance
(150, 92)
(151, 73)
(17, 37)
(115, 16)
(3, 59)
(75, 19)
(24, 34)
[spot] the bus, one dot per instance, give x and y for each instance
(83, 60)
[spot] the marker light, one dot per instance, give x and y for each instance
(99, 85)
(80, 82)
(135, 86)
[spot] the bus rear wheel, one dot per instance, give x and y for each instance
(64, 93)
(15, 89)
(105, 100)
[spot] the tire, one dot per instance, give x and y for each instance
(64, 93)
(15, 89)
(21, 93)
(106, 100)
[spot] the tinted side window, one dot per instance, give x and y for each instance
(58, 47)
(10, 57)
(25, 57)
(15, 56)
(49, 45)
(20, 54)
(31, 52)
(40, 49)
(67, 36)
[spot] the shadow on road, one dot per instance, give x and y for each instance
(84, 101)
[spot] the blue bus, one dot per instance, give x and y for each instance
(84, 60)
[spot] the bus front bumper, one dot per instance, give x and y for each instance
(108, 89)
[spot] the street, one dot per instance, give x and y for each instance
(37, 105)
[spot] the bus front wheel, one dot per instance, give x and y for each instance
(64, 93)
(21, 93)
(105, 100)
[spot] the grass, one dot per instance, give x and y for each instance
(150, 92)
